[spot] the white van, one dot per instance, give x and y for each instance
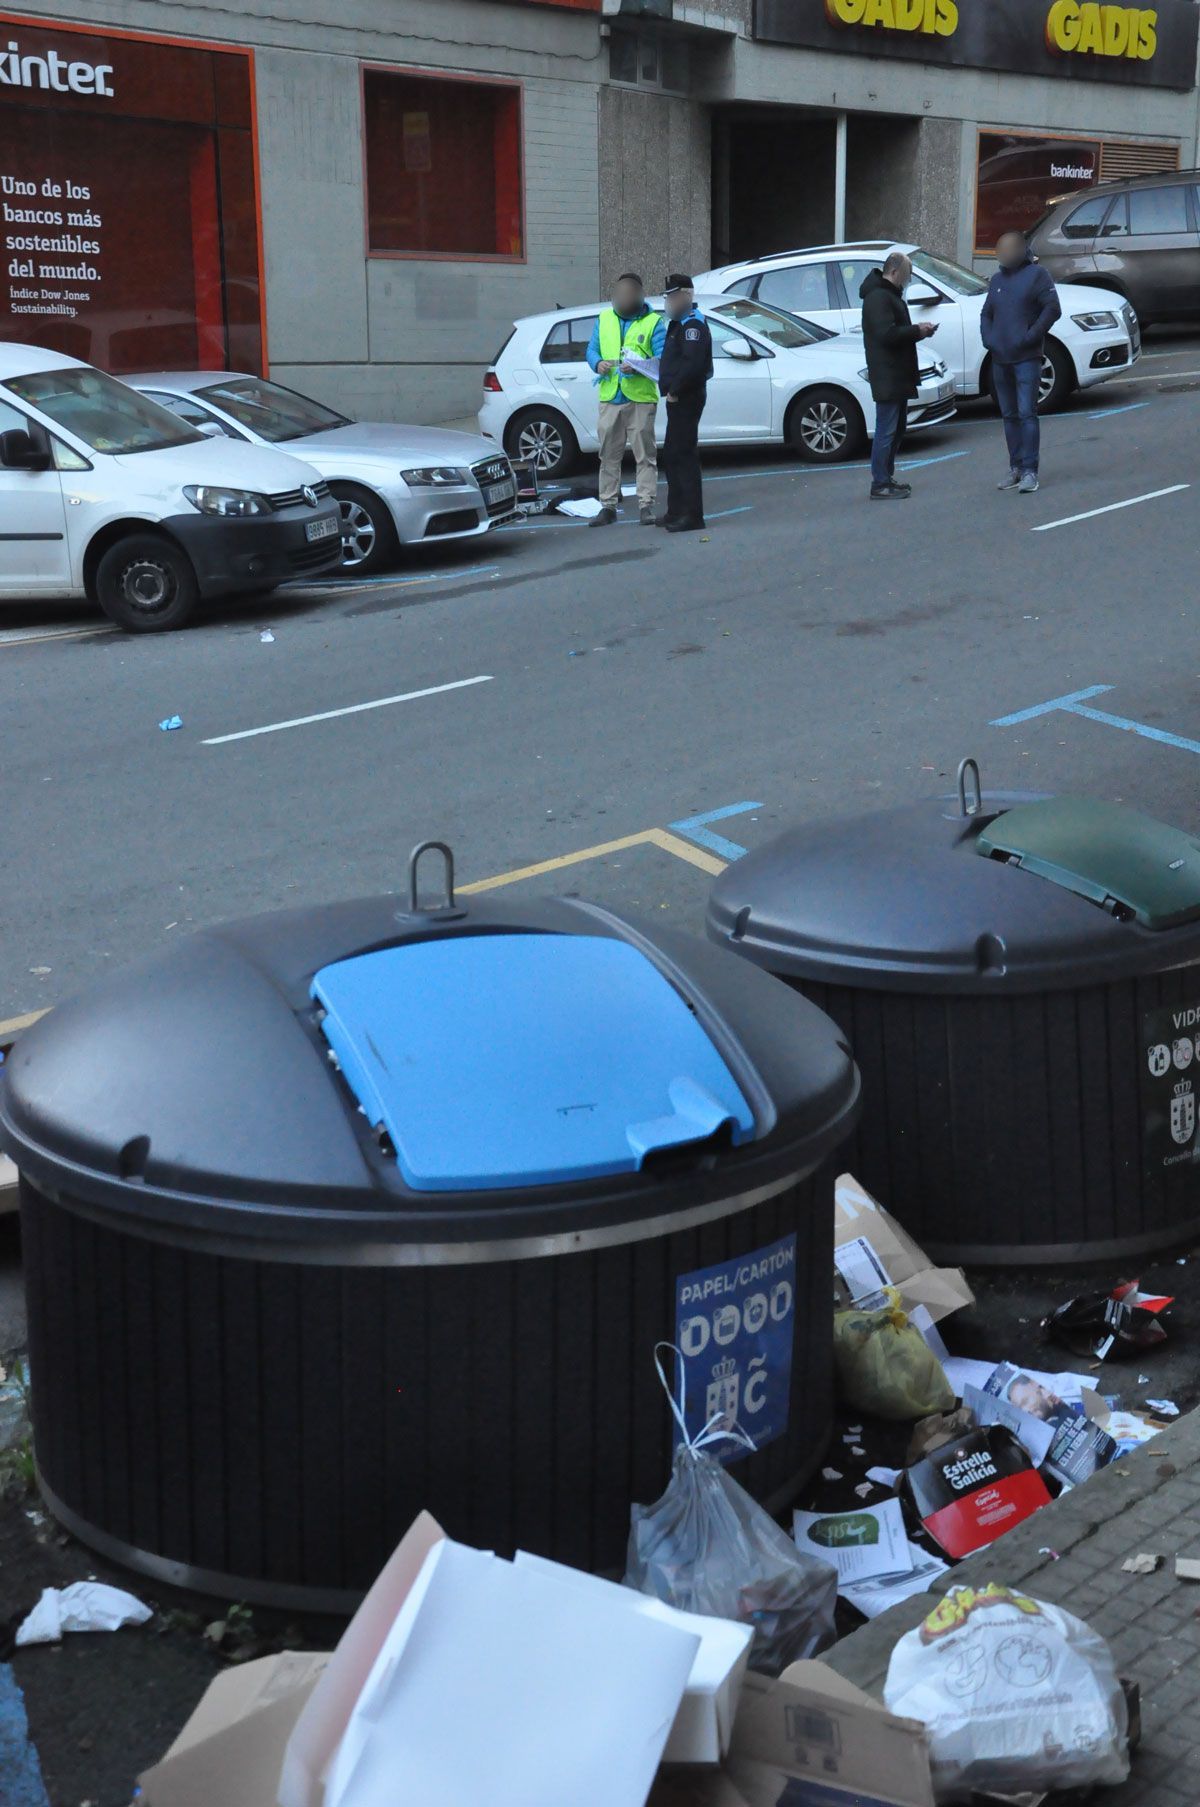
(106, 495)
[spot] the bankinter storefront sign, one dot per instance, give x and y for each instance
(128, 209)
(1077, 38)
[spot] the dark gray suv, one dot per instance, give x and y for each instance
(1140, 238)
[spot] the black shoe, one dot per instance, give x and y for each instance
(889, 492)
(902, 489)
(605, 518)
(687, 525)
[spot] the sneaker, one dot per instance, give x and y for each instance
(1029, 485)
(1012, 481)
(901, 489)
(889, 492)
(605, 518)
(647, 516)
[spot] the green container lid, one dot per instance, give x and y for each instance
(1118, 858)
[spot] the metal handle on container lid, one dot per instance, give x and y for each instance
(447, 908)
(975, 808)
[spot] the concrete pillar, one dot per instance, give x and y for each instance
(839, 181)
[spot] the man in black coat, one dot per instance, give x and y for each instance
(891, 340)
(684, 368)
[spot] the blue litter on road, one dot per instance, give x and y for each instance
(172, 722)
(21, 1783)
(695, 828)
(1075, 703)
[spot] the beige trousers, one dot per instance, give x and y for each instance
(632, 424)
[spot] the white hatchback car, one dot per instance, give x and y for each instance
(1097, 336)
(776, 380)
(396, 485)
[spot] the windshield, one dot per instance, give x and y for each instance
(962, 282)
(105, 414)
(788, 331)
(275, 414)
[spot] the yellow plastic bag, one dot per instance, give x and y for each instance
(885, 1366)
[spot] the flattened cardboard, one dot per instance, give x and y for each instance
(843, 1748)
(941, 1290)
(318, 1733)
(231, 1750)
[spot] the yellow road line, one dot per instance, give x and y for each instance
(648, 837)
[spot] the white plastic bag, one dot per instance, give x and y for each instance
(707, 1547)
(1015, 1695)
(84, 1606)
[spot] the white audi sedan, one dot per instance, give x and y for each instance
(1097, 336)
(396, 485)
(777, 380)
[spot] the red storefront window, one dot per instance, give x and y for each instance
(443, 166)
(127, 201)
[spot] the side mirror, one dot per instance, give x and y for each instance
(740, 349)
(211, 429)
(22, 451)
(919, 294)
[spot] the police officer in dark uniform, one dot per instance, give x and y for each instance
(684, 369)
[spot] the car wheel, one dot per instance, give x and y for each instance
(826, 426)
(1057, 379)
(146, 584)
(543, 438)
(369, 538)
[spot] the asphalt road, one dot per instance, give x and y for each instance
(812, 654)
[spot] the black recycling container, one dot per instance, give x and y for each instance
(337, 1214)
(1019, 978)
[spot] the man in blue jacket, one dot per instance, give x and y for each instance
(1022, 305)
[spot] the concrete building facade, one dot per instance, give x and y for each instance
(364, 200)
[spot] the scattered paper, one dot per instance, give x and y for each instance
(859, 1219)
(84, 1606)
(1034, 1436)
(1166, 1408)
(1067, 1388)
(831, 1474)
(860, 1268)
(864, 1490)
(1142, 1564)
(861, 1545)
(267, 637)
(919, 1316)
(1187, 1568)
(885, 1591)
(885, 1477)
(583, 508)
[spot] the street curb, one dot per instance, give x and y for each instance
(1084, 1535)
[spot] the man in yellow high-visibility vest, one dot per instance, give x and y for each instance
(628, 397)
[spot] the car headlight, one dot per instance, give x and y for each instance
(436, 476)
(226, 501)
(1095, 323)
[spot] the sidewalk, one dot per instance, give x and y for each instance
(1149, 1501)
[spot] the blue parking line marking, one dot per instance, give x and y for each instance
(1126, 408)
(746, 508)
(694, 828)
(912, 464)
(21, 1783)
(1058, 702)
(1076, 704)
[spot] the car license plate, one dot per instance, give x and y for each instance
(499, 492)
(327, 529)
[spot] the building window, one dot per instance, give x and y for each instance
(444, 175)
(643, 59)
(130, 210)
(1020, 176)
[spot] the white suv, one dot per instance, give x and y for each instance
(1097, 336)
(776, 380)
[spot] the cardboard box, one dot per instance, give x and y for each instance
(812, 1739)
(230, 1752)
(704, 1723)
(869, 1245)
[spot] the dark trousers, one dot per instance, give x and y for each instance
(891, 418)
(1016, 387)
(681, 458)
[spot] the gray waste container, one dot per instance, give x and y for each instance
(337, 1214)
(1018, 979)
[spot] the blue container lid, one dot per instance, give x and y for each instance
(509, 1060)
